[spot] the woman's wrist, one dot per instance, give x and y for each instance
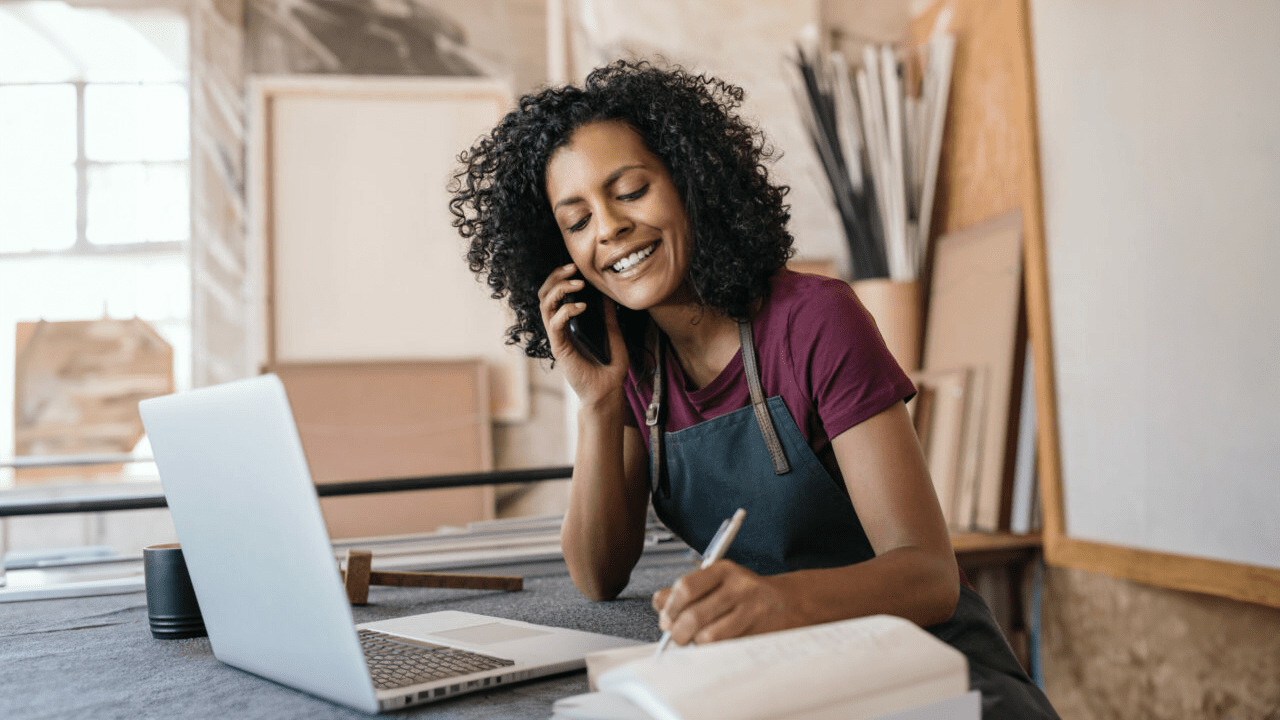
(606, 406)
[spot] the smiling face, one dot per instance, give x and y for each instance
(620, 215)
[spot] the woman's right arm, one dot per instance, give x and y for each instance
(603, 531)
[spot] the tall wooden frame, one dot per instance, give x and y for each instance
(1239, 581)
(377, 273)
(991, 164)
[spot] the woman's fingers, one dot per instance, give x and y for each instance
(692, 602)
(697, 617)
(555, 311)
(738, 621)
(559, 283)
(721, 602)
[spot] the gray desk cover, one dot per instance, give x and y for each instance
(95, 658)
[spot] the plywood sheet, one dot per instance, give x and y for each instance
(942, 434)
(362, 262)
(973, 322)
(77, 385)
(371, 421)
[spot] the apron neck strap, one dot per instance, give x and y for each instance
(658, 481)
(752, 370)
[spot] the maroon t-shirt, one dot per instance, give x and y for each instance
(817, 348)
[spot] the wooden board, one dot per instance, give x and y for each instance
(991, 163)
(1152, 281)
(949, 405)
(360, 259)
(371, 421)
(974, 322)
(77, 385)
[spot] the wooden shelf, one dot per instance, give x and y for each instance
(977, 550)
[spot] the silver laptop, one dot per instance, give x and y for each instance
(269, 587)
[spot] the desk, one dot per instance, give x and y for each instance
(94, 657)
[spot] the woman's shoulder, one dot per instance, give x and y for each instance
(815, 309)
(793, 292)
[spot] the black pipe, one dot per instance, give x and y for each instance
(56, 506)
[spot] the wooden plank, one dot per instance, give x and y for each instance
(977, 542)
(989, 163)
(974, 322)
(77, 385)
(453, 581)
(367, 421)
(1248, 583)
(943, 439)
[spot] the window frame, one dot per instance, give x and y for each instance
(83, 246)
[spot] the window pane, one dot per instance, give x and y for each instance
(136, 122)
(50, 41)
(148, 45)
(37, 206)
(114, 215)
(133, 203)
(165, 203)
(25, 56)
(38, 122)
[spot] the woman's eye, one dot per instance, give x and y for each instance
(635, 195)
(580, 225)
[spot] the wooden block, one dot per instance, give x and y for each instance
(356, 576)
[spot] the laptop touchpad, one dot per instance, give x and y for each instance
(490, 633)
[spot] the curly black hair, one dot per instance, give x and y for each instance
(716, 160)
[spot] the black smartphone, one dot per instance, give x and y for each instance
(587, 329)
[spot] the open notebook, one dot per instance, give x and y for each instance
(874, 667)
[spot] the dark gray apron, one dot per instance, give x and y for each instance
(799, 517)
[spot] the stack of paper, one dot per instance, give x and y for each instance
(873, 667)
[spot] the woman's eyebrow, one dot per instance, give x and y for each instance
(613, 178)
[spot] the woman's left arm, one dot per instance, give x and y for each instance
(913, 575)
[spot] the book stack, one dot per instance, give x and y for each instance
(874, 667)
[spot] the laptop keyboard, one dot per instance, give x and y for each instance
(396, 662)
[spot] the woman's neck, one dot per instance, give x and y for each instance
(704, 339)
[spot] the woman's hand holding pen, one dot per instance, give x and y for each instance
(589, 380)
(723, 601)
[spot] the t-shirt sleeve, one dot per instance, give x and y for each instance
(841, 358)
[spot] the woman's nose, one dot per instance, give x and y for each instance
(611, 224)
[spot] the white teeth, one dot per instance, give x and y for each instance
(632, 260)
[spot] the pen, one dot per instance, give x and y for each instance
(716, 549)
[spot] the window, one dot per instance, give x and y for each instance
(94, 181)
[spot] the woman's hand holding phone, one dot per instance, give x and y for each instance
(582, 327)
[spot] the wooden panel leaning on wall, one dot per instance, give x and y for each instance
(382, 420)
(77, 385)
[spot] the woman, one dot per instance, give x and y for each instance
(733, 381)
